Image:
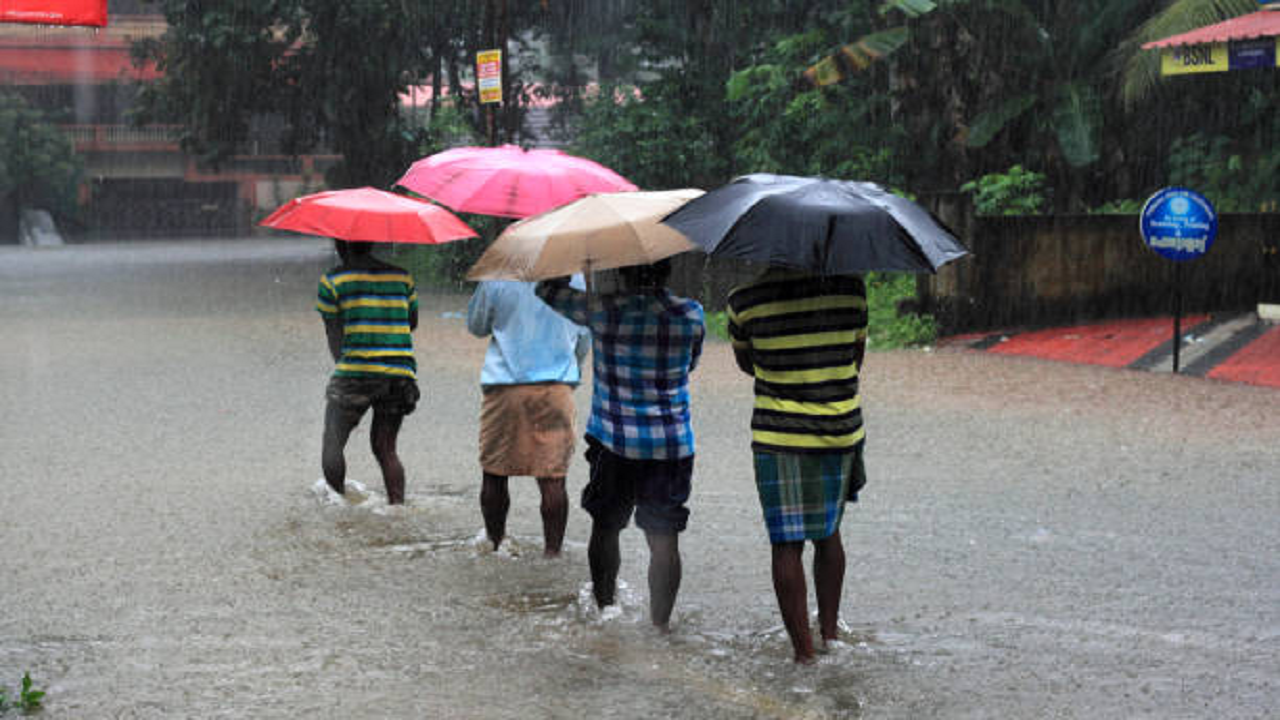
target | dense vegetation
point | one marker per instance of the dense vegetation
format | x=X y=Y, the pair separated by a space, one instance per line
x=926 y=95
x=1045 y=106
x=38 y=164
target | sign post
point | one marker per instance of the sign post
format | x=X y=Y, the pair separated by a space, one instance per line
x=489 y=75
x=1180 y=225
x=489 y=86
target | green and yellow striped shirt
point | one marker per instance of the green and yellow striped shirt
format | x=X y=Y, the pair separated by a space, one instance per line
x=804 y=335
x=374 y=305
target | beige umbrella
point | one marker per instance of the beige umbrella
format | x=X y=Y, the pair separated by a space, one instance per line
x=596 y=232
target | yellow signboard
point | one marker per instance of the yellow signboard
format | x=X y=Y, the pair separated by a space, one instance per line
x=489 y=75
x=1188 y=59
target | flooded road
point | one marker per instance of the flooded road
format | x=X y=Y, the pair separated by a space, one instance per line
x=1037 y=539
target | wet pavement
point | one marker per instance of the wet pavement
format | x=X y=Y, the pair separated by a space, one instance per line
x=1038 y=539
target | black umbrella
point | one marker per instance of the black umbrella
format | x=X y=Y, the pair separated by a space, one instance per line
x=828 y=227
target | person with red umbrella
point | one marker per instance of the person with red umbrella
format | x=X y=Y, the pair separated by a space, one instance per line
x=370 y=309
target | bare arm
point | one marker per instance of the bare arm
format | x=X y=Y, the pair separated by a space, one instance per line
x=480 y=313
x=564 y=299
x=741 y=345
x=333 y=332
x=860 y=351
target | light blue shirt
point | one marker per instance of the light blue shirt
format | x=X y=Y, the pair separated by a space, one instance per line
x=529 y=342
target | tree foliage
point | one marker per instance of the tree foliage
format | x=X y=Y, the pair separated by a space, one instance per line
x=325 y=73
x=38 y=164
x=922 y=94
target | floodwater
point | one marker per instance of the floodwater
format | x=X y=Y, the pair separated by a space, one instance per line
x=1037 y=539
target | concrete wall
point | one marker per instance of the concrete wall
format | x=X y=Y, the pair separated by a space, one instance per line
x=1040 y=271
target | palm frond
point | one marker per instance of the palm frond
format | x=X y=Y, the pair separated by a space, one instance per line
x=1141 y=68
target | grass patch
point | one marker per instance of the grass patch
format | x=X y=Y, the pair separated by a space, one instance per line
x=886 y=328
x=29 y=699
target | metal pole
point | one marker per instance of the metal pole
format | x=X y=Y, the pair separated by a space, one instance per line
x=491 y=37
x=1177 y=313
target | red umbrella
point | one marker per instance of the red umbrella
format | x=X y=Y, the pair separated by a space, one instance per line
x=369 y=214
x=509 y=181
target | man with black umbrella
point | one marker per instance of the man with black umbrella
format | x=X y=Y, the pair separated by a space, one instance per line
x=803 y=338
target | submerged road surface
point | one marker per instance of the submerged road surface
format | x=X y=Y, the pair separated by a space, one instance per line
x=1037 y=539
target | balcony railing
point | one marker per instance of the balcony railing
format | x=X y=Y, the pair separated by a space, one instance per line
x=123 y=137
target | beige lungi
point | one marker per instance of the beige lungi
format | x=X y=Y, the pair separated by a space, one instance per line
x=527 y=429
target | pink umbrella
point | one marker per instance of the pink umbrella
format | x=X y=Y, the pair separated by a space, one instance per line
x=369 y=214
x=509 y=181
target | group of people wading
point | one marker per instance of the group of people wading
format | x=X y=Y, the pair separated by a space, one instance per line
x=801 y=337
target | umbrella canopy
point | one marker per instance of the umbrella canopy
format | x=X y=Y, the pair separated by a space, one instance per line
x=597 y=232
x=830 y=227
x=369 y=214
x=508 y=181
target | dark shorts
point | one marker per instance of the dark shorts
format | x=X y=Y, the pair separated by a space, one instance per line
x=388 y=396
x=656 y=489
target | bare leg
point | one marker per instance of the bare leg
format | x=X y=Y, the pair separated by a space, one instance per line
x=604 y=557
x=828 y=581
x=495 y=501
x=555 y=514
x=664 y=577
x=382 y=437
x=337 y=430
x=789 y=586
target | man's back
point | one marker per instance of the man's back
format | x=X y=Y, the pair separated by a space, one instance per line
x=377 y=306
x=805 y=337
x=530 y=342
x=644 y=346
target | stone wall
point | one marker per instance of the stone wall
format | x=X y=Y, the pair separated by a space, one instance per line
x=1041 y=271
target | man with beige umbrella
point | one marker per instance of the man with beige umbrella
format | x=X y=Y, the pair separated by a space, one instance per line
x=645 y=342
x=527 y=418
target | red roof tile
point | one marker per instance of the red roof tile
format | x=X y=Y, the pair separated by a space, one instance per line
x=1260 y=24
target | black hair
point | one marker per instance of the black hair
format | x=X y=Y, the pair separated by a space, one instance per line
x=347 y=249
x=646 y=277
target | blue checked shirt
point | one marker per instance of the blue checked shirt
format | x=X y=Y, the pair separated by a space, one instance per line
x=643 y=348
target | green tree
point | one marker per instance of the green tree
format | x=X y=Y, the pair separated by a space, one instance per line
x=672 y=59
x=838 y=130
x=1217 y=133
x=329 y=73
x=1016 y=192
x=38 y=164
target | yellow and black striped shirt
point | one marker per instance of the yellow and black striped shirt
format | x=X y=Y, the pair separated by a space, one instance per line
x=804 y=335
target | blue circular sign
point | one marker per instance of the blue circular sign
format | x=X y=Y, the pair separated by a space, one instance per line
x=1179 y=224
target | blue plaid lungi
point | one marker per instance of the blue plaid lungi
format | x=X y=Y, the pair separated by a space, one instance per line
x=802 y=495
